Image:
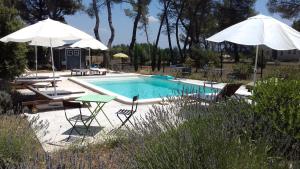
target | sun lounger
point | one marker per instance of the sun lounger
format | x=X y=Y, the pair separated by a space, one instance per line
x=80 y=71
x=46 y=97
x=36 y=77
x=99 y=71
x=226 y=92
x=25 y=81
x=60 y=94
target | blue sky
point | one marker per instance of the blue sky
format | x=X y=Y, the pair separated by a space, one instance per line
x=123 y=24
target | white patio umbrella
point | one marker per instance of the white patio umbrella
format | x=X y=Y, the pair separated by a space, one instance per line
x=260 y=30
x=44 y=44
x=46 y=31
x=89 y=43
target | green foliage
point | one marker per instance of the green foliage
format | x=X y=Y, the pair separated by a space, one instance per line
x=233 y=11
x=286 y=72
x=287 y=8
x=279 y=101
x=34 y=11
x=242 y=70
x=5 y=102
x=296 y=25
x=17 y=141
x=199 y=56
x=142 y=52
x=119 y=49
x=213 y=137
x=12 y=58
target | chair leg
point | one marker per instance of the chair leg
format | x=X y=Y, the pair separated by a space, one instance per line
x=130 y=122
x=97 y=122
x=73 y=128
x=87 y=130
x=107 y=118
x=124 y=122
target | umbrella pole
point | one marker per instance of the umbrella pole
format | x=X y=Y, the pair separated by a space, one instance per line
x=255 y=67
x=80 y=60
x=35 y=48
x=52 y=60
x=90 y=57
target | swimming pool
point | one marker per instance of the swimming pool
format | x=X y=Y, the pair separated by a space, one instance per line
x=148 y=88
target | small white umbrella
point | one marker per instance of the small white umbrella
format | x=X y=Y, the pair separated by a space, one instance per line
x=47 y=30
x=44 y=44
x=89 y=43
x=260 y=30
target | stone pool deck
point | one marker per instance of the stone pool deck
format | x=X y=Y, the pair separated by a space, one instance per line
x=52 y=129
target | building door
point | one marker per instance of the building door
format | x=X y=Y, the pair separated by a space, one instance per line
x=73 y=58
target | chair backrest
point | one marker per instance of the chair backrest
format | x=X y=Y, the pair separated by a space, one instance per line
x=70 y=105
x=228 y=90
x=134 y=103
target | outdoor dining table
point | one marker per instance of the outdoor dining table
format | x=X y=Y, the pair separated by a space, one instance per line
x=100 y=101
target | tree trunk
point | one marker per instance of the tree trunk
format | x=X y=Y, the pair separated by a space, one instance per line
x=111 y=27
x=169 y=33
x=135 y=24
x=96 y=12
x=147 y=38
x=153 y=63
x=236 y=53
x=156 y=43
x=177 y=31
x=112 y=31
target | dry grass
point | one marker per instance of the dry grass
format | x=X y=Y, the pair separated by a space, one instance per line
x=228 y=67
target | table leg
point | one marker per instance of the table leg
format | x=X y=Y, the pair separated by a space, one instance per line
x=94 y=113
x=100 y=109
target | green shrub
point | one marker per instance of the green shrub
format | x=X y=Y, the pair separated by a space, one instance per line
x=5 y=102
x=277 y=103
x=286 y=72
x=242 y=70
x=12 y=58
x=218 y=136
x=17 y=141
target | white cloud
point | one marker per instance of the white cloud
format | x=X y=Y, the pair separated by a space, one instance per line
x=152 y=19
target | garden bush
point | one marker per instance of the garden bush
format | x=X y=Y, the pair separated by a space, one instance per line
x=242 y=70
x=277 y=102
x=217 y=136
x=10 y=102
x=286 y=72
x=5 y=102
x=17 y=141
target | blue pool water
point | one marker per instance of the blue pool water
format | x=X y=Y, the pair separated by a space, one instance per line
x=147 y=87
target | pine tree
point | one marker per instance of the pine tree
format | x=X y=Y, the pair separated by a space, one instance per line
x=12 y=55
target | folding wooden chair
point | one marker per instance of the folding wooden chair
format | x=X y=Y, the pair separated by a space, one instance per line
x=127 y=113
x=86 y=120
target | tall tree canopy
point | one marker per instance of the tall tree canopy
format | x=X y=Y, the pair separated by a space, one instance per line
x=230 y=12
x=35 y=10
x=287 y=8
x=12 y=55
